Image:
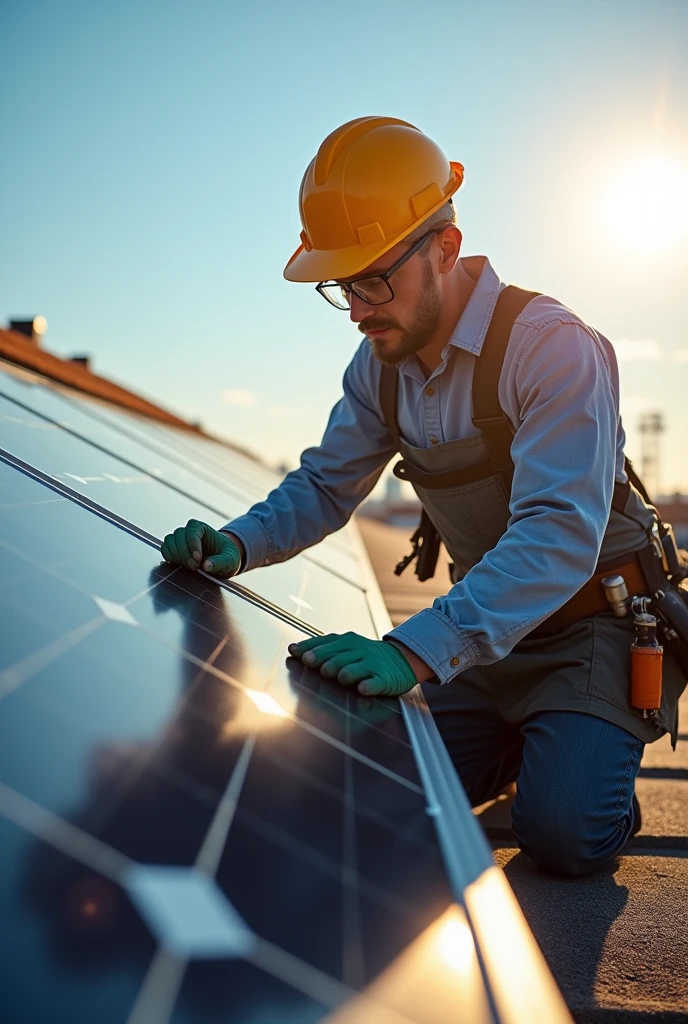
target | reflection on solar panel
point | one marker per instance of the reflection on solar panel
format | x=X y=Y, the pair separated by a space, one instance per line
x=193 y=826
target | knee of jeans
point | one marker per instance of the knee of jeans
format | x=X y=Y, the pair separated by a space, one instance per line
x=554 y=838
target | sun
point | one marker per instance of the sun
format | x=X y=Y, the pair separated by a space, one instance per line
x=645 y=205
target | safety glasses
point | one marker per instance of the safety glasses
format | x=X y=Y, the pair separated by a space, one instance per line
x=373 y=289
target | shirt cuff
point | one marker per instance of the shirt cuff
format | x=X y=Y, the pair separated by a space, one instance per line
x=438 y=641
x=252 y=535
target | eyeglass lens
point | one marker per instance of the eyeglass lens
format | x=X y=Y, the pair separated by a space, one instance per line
x=374 y=291
x=335 y=294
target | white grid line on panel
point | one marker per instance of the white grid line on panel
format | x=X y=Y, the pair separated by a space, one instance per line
x=299 y=974
x=52 y=570
x=158 y=993
x=15 y=675
x=32 y=504
x=353 y=971
x=212 y=848
x=62 y=835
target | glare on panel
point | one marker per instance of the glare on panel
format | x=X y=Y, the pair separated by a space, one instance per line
x=523 y=988
x=267 y=704
x=436 y=979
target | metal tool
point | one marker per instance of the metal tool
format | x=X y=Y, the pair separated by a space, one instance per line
x=616 y=592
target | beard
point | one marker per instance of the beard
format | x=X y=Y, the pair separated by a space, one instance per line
x=416 y=334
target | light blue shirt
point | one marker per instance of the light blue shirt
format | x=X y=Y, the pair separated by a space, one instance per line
x=559 y=388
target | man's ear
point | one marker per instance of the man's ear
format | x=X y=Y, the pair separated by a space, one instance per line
x=450 y=249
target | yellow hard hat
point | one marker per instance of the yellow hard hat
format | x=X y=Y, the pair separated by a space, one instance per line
x=372 y=182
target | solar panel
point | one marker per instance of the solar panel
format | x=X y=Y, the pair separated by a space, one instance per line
x=194 y=827
x=218 y=468
x=146 y=499
x=169 y=454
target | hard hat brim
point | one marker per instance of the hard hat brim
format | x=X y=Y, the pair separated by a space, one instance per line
x=334 y=264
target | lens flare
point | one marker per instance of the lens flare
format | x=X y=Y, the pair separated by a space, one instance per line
x=645 y=206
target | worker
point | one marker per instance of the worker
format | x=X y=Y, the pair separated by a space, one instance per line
x=526 y=674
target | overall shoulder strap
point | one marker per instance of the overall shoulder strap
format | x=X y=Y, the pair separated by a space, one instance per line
x=389 y=381
x=622 y=491
x=636 y=481
x=426 y=540
x=488 y=416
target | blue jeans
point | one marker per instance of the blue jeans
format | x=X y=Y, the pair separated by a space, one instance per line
x=576 y=773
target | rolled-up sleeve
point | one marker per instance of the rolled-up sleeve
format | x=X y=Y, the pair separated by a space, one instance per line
x=564 y=452
x=332 y=480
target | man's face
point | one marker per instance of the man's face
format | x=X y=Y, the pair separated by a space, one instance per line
x=405 y=325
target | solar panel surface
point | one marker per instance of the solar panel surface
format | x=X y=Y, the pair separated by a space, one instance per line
x=145 y=498
x=195 y=827
x=206 y=461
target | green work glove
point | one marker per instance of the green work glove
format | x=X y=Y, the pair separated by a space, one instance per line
x=377 y=666
x=198 y=545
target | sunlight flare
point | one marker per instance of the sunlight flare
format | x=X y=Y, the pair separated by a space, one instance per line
x=645 y=205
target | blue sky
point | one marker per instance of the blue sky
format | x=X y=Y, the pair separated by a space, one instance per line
x=152 y=154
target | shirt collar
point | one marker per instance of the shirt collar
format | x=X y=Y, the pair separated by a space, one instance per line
x=473 y=323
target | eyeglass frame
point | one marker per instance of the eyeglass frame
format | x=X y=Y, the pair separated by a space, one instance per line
x=383 y=276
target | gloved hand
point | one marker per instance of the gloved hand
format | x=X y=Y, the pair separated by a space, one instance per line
x=198 y=545
x=377 y=666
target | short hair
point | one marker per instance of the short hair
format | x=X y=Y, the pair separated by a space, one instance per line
x=441 y=218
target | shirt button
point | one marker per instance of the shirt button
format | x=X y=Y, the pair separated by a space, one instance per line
x=456 y=661
x=429 y=391
x=433 y=440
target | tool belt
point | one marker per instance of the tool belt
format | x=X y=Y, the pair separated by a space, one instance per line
x=657 y=571
x=591 y=598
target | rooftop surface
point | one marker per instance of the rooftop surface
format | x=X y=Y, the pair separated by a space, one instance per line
x=616 y=941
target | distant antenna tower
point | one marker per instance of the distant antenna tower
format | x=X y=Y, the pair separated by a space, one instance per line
x=651 y=427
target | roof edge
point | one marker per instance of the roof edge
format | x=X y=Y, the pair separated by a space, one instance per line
x=18 y=349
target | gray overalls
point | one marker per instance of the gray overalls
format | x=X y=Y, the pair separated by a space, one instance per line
x=464 y=487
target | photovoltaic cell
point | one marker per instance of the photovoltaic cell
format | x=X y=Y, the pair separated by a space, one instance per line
x=151 y=717
x=170 y=454
x=225 y=467
x=228 y=499
x=192 y=452
x=299 y=585
x=166 y=455
x=223 y=457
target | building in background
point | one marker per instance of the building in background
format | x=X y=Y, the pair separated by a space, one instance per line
x=398 y=507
